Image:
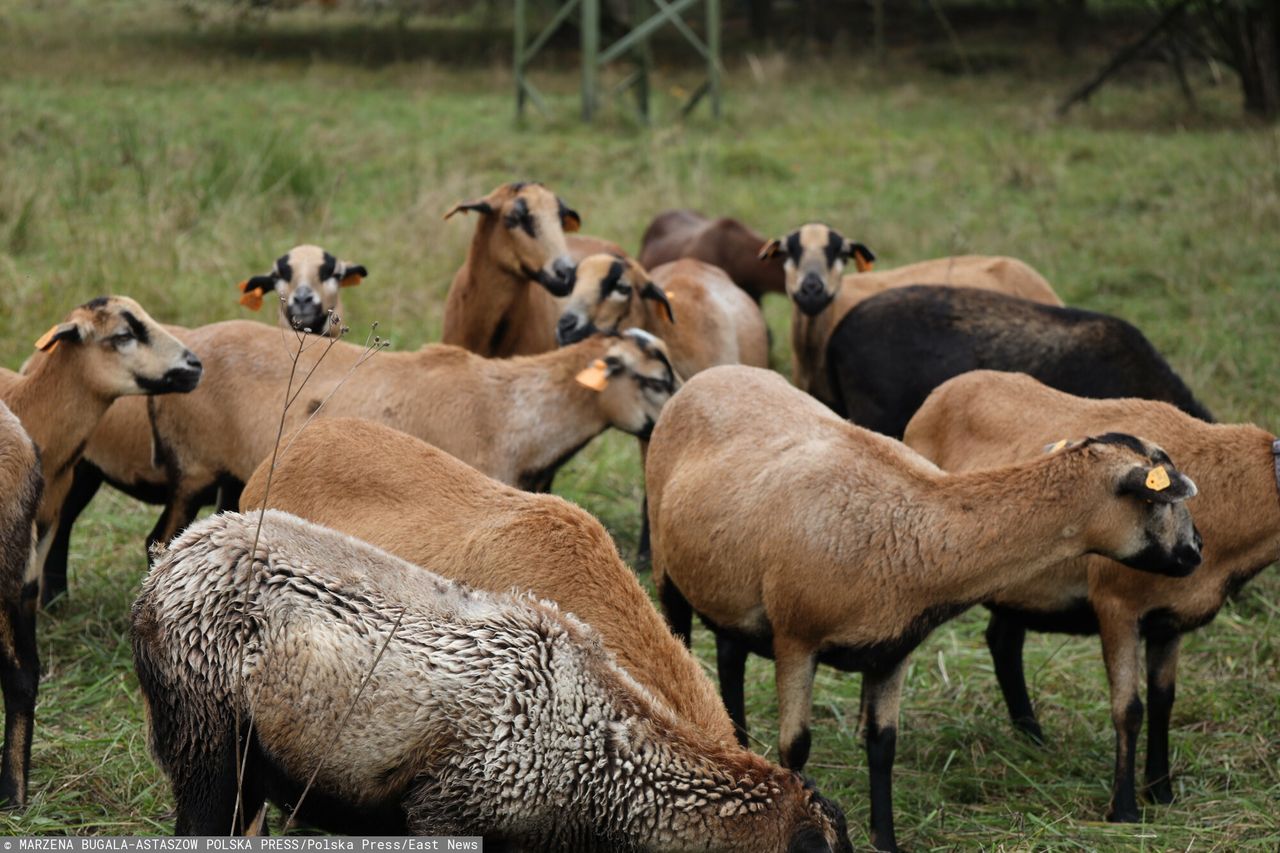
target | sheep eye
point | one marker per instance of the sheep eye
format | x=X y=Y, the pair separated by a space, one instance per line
x=121 y=338
x=622 y=289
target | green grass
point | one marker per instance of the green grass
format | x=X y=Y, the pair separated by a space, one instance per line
x=141 y=155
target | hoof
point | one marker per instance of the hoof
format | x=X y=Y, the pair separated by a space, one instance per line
x=1122 y=816
x=1030 y=727
x=1160 y=793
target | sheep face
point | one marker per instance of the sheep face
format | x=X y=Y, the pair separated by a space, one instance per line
x=814 y=257
x=121 y=350
x=306 y=280
x=605 y=290
x=633 y=381
x=527 y=223
x=1145 y=524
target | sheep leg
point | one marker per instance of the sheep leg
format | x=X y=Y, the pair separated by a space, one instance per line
x=794 y=664
x=85 y=482
x=678 y=611
x=182 y=509
x=731 y=667
x=1162 y=673
x=19 y=680
x=205 y=793
x=1005 y=638
x=1120 y=652
x=881 y=700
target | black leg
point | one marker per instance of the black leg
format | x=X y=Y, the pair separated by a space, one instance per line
x=644 y=553
x=881 y=699
x=19 y=679
x=205 y=794
x=1162 y=669
x=731 y=666
x=1124 y=799
x=678 y=611
x=86 y=481
x=1005 y=637
x=229 y=492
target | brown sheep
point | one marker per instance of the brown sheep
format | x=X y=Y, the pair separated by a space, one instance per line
x=979 y=420
x=425 y=506
x=503 y=300
x=20 y=485
x=517 y=420
x=724 y=242
x=697 y=311
x=800 y=536
x=486 y=714
x=306 y=282
x=814 y=260
x=105 y=349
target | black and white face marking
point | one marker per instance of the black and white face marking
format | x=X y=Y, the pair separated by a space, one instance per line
x=814 y=257
x=603 y=286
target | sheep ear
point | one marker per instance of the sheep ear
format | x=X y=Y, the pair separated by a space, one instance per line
x=1158 y=484
x=595 y=376
x=570 y=221
x=352 y=275
x=770 y=250
x=652 y=291
x=1059 y=445
x=69 y=332
x=481 y=206
x=863 y=258
x=252 y=289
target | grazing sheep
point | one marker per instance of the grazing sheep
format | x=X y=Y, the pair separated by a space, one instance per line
x=694 y=307
x=307 y=281
x=503 y=300
x=890 y=351
x=723 y=242
x=20 y=486
x=800 y=536
x=105 y=349
x=423 y=505
x=485 y=713
x=980 y=420
x=517 y=420
x=815 y=257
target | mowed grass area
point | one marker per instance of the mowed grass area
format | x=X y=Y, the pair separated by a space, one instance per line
x=139 y=155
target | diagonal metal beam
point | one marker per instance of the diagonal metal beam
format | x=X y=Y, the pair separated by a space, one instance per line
x=644 y=30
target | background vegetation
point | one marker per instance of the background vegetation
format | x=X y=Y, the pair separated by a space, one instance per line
x=149 y=151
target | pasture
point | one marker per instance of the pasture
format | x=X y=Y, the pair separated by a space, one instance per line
x=145 y=155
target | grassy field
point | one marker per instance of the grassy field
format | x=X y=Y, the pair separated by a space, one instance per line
x=145 y=155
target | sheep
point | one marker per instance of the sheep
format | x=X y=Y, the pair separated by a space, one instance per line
x=979 y=420
x=517 y=420
x=800 y=536
x=890 y=351
x=502 y=302
x=815 y=256
x=105 y=349
x=119 y=451
x=724 y=242
x=717 y=322
x=307 y=281
x=434 y=510
x=485 y=713
x=21 y=483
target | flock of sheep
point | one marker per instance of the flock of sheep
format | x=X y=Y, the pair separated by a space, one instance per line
x=403 y=632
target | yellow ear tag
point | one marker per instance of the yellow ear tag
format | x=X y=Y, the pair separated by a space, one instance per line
x=1158 y=479
x=595 y=377
x=1058 y=445
x=252 y=299
x=44 y=344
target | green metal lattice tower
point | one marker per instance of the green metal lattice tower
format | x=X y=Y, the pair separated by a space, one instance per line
x=634 y=43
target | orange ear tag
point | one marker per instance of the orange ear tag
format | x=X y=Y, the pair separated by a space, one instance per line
x=1158 y=479
x=861 y=264
x=46 y=343
x=252 y=299
x=351 y=280
x=595 y=377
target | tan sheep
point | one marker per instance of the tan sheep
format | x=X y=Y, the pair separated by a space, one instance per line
x=20 y=485
x=798 y=535
x=979 y=420
x=503 y=301
x=425 y=506
x=814 y=260
x=306 y=282
x=487 y=714
x=700 y=314
x=516 y=420
x=105 y=349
